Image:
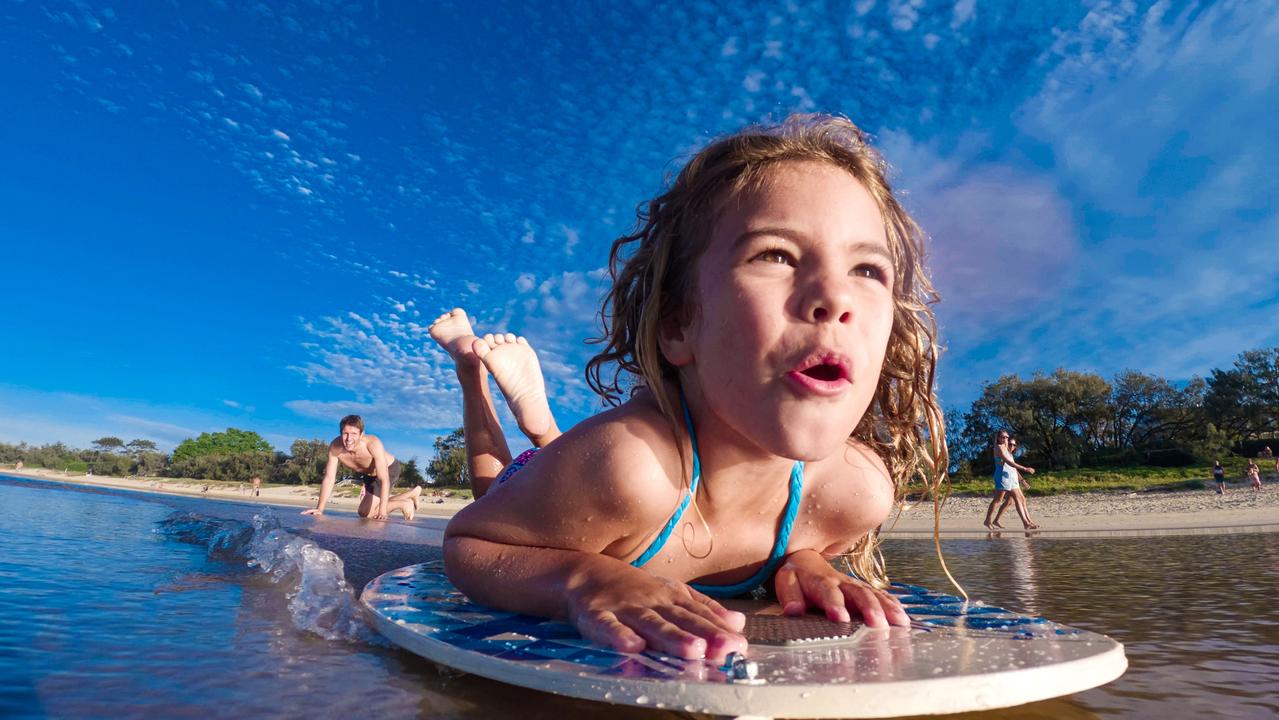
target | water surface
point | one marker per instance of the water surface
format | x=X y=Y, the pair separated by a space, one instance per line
x=135 y=605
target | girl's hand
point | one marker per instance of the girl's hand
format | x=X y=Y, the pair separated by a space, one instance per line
x=807 y=580
x=631 y=610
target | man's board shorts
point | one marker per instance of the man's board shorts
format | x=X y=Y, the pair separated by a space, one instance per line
x=371 y=482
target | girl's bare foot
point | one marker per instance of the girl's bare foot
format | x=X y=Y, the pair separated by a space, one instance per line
x=514 y=366
x=1031 y=526
x=452 y=331
x=995 y=524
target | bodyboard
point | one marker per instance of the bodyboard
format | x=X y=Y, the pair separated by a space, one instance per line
x=957 y=656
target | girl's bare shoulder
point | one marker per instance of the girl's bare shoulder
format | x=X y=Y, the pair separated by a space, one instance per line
x=848 y=494
x=620 y=468
x=628 y=451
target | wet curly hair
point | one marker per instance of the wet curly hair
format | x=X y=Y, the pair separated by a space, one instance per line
x=653 y=271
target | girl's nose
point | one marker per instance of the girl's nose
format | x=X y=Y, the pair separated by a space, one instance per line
x=829 y=301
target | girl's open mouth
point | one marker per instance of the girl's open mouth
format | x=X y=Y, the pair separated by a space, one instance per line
x=825 y=374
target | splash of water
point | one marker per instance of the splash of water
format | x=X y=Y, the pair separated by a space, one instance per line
x=320 y=600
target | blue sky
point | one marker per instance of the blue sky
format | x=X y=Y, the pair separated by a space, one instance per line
x=245 y=214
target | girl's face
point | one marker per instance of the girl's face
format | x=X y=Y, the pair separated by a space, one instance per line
x=792 y=312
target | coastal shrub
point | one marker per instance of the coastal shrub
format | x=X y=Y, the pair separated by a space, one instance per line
x=232 y=442
x=235 y=466
x=1170 y=457
x=304 y=465
x=107 y=463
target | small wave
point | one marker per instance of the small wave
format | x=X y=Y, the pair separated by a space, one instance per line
x=320 y=600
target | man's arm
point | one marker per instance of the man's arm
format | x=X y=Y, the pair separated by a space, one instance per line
x=326 y=485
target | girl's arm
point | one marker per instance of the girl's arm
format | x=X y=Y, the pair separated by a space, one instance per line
x=547 y=542
x=807 y=579
x=609 y=601
x=1008 y=460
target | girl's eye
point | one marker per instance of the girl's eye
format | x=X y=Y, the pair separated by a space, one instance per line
x=871 y=271
x=774 y=256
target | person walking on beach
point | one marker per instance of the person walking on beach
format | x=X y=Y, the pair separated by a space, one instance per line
x=1254 y=475
x=1006 y=469
x=1219 y=476
x=257 y=486
x=1016 y=496
x=374 y=466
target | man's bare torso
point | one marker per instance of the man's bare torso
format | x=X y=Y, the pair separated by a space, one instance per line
x=361 y=458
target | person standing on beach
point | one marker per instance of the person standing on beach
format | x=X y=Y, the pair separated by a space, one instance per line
x=257 y=486
x=374 y=466
x=1254 y=475
x=1219 y=476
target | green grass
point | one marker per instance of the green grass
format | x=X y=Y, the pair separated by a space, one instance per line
x=1123 y=479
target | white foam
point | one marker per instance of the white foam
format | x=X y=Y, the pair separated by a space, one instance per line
x=320 y=599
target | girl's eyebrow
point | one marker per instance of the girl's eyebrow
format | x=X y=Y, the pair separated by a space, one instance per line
x=864 y=246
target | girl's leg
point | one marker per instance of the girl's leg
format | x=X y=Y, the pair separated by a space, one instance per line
x=999 y=495
x=519 y=376
x=1020 y=501
x=486 y=449
x=1000 y=513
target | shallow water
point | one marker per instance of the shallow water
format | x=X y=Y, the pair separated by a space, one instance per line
x=106 y=609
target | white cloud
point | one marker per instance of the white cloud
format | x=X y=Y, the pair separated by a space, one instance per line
x=280 y=135
x=962 y=12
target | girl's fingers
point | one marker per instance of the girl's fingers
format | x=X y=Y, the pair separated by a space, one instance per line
x=661 y=634
x=868 y=602
x=604 y=628
x=730 y=620
x=719 y=641
x=790 y=595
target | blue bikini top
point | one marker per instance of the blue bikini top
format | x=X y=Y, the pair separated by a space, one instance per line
x=783 y=532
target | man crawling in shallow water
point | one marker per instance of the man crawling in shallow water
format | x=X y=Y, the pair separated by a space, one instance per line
x=374 y=466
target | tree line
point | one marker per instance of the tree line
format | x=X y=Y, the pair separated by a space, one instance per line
x=1064 y=419
x=1070 y=419
x=231 y=455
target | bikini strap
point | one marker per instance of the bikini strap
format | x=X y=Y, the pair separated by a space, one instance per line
x=660 y=541
x=779 y=545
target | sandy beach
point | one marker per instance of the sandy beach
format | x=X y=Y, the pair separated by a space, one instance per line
x=1188 y=512
x=285 y=495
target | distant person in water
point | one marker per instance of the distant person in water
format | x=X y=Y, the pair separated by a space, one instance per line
x=1219 y=476
x=1006 y=482
x=374 y=466
x=1254 y=475
x=257 y=486
x=518 y=374
x=1016 y=496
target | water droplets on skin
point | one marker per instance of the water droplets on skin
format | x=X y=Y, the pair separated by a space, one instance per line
x=642 y=700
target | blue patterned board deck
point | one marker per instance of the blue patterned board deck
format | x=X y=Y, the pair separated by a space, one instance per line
x=955 y=657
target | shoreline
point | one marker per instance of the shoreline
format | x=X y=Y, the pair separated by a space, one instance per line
x=1121 y=514
x=298 y=496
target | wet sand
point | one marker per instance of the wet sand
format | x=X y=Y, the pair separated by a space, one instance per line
x=283 y=495
x=1187 y=512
